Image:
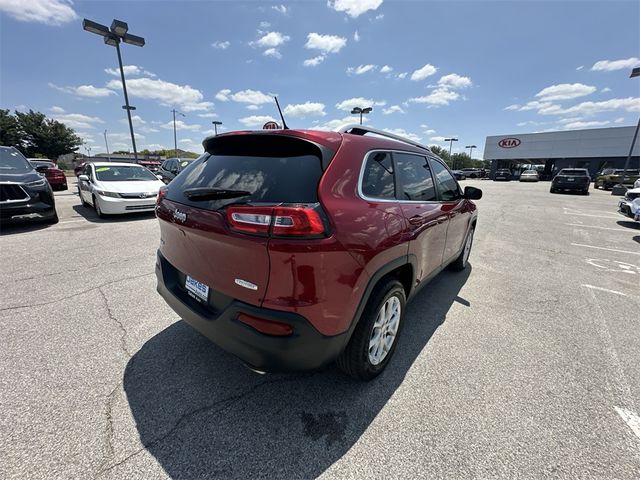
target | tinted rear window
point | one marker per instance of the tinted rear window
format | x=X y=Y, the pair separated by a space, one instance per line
x=273 y=169
x=573 y=172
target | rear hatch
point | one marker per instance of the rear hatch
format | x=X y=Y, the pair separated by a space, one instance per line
x=572 y=177
x=217 y=216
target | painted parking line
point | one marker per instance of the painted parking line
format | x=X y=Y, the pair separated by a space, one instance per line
x=605 y=248
x=593 y=287
x=610 y=217
x=631 y=419
x=626 y=230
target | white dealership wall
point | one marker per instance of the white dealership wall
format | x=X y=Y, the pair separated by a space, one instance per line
x=590 y=143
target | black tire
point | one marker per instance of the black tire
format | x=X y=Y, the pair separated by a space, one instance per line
x=607 y=186
x=461 y=262
x=552 y=190
x=354 y=360
x=96 y=206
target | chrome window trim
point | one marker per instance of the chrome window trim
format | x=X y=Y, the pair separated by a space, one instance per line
x=387 y=200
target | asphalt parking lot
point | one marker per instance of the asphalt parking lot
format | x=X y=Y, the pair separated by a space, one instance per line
x=523 y=366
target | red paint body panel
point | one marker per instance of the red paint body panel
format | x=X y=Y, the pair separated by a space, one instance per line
x=55 y=176
x=204 y=248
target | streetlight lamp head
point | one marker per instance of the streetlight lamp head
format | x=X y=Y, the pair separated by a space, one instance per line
x=367 y=110
x=217 y=122
x=95 y=27
x=356 y=110
x=119 y=27
x=635 y=72
x=111 y=40
x=134 y=40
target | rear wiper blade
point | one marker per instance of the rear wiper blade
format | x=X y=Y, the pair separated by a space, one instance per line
x=208 y=193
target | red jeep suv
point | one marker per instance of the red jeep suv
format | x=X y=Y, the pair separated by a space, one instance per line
x=295 y=248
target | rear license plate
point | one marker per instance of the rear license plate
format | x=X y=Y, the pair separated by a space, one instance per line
x=196 y=289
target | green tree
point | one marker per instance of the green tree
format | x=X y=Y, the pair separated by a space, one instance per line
x=10 y=132
x=46 y=136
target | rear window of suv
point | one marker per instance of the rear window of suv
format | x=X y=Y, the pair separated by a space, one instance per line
x=273 y=169
x=573 y=172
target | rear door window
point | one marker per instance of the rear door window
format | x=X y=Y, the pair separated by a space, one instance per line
x=378 y=177
x=273 y=169
x=447 y=186
x=415 y=182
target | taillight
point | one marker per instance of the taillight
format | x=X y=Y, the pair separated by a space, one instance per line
x=250 y=219
x=293 y=221
x=267 y=327
x=161 y=194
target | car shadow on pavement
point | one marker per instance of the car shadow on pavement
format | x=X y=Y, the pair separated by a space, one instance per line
x=89 y=214
x=202 y=414
x=629 y=224
x=23 y=227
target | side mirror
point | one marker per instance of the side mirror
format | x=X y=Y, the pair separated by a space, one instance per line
x=472 y=193
x=83 y=178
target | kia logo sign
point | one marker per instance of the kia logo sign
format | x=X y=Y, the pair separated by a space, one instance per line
x=509 y=142
x=271 y=126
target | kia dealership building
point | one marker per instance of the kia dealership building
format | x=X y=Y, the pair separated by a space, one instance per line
x=594 y=149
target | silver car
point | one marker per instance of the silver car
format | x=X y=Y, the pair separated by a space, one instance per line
x=529 y=176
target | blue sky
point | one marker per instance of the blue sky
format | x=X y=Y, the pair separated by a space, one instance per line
x=429 y=69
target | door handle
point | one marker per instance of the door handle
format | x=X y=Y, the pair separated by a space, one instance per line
x=416 y=220
x=441 y=219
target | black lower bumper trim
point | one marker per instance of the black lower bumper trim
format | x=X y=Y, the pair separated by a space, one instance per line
x=305 y=349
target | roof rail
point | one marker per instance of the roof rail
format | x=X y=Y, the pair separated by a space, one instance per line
x=357 y=129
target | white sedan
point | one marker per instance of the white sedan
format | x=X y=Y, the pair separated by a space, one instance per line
x=115 y=188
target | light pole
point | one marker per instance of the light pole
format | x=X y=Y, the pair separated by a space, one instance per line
x=106 y=144
x=470 y=147
x=115 y=35
x=361 y=111
x=215 y=125
x=88 y=149
x=620 y=189
x=451 y=140
x=175 y=138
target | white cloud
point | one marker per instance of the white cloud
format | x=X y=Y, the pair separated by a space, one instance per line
x=185 y=140
x=166 y=93
x=437 y=139
x=272 y=39
x=254 y=107
x=354 y=8
x=256 y=120
x=439 y=96
x=180 y=125
x=325 y=43
x=56 y=109
x=49 y=12
x=629 y=104
x=379 y=17
x=577 y=125
x=135 y=119
x=280 y=9
x=393 y=109
x=148 y=130
x=619 y=120
x=88 y=91
x=254 y=97
x=611 y=65
x=221 y=45
x=429 y=131
x=605 y=90
x=453 y=80
x=307 y=109
x=423 y=72
x=565 y=91
x=361 y=69
x=533 y=105
x=338 y=122
x=580 y=67
x=350 y=103
x=356 y=36
x=77 y=120
x=386 y=69
x=208 y=115
x=265 y=24
x=272 y=52
x=223 y=95
x=313 y=62
x=129 y=70
x=402 y=75
x=404 y=133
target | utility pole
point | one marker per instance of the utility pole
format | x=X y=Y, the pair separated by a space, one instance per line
x=175 y=138
x=106 y=144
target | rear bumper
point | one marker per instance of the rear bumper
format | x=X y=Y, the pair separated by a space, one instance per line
x=58 y=183
x=305 y=349
x=569 y=186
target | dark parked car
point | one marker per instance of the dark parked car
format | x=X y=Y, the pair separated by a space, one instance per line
x=53 y=174
x=459 y=174
x=294 y=248
x=472 y=172
x=571 y=179
x=153 y=165
x=24 y=193
x=172 y=167
x=502 y=174
x=78 y=168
